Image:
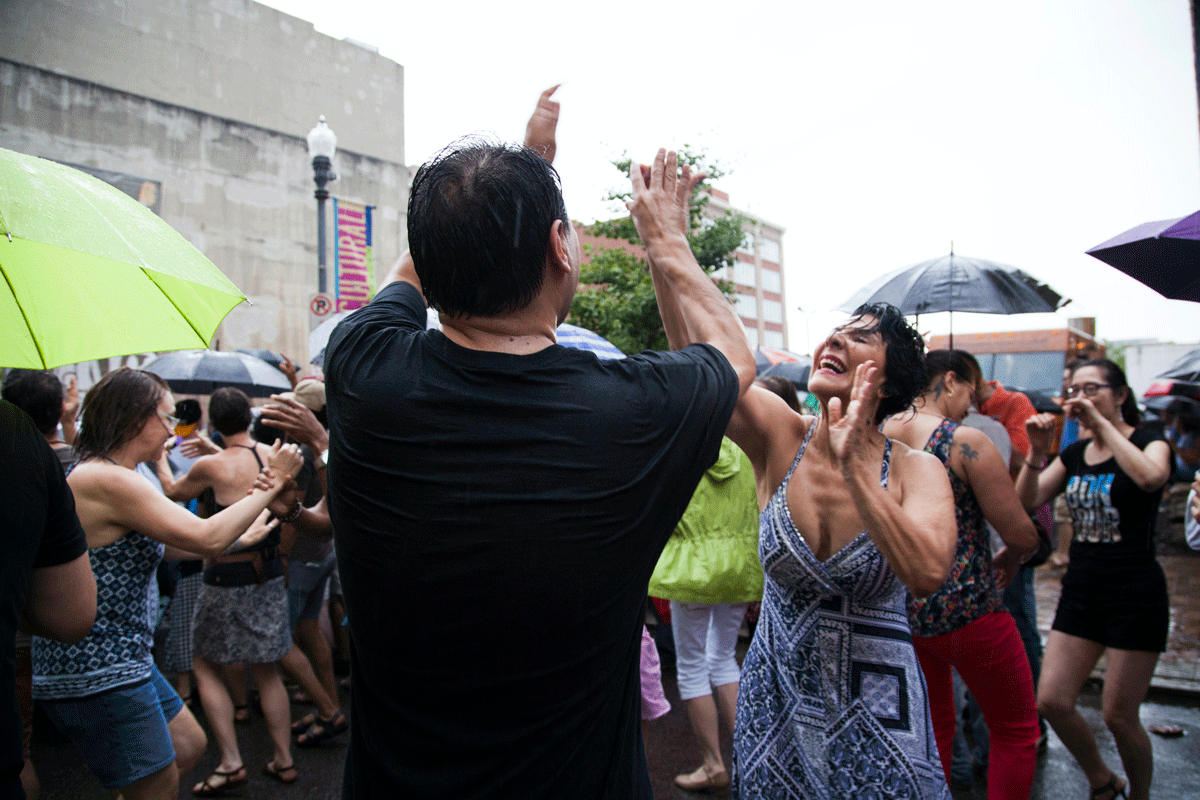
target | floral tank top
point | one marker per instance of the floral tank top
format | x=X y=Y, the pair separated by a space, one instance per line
x=970 y=592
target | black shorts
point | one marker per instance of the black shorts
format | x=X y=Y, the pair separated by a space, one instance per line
x=1126 y=613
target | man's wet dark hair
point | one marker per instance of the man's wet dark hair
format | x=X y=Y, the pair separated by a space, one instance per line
x=229 y=411
x=479 y=219
x=39 y=393
x=904 y=368
x=1114 y=376
x=115 y=409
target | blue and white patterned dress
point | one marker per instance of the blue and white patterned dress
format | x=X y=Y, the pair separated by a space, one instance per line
x=832 y=701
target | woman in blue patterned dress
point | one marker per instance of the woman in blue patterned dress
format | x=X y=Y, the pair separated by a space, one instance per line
x=964 y=625
x=105 y=692
x=832 y=700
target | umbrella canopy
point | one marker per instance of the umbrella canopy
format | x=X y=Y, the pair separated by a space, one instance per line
x=1163 y=255
x=583 y=339
x=205 y=371
x=795 y=371
x=88 y=272
x=958 y=283
x=767 y=357
x=269 y=356
x=1186 y=368
x=1042 y=403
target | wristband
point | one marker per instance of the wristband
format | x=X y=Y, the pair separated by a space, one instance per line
x=294 y=514
x=1037 y=469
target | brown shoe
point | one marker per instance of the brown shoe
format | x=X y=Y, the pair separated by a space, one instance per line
x=702 y=780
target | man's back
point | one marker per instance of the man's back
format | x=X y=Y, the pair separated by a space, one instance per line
x=497 y=519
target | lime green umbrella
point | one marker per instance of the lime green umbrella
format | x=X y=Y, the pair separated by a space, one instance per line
x=88 y=272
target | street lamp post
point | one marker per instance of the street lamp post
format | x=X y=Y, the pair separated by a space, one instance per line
x=322 y=144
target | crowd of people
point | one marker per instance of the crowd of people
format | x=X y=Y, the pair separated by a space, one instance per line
x=529 y=497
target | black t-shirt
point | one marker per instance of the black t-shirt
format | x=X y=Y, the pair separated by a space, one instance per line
x=40 y=529
x=497 y=518
x=1112 y=517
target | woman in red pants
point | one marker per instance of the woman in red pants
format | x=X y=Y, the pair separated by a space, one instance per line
x=964 y=624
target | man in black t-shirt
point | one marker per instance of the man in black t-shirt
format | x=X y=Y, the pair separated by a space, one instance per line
x=45 y=574
x=499 y=501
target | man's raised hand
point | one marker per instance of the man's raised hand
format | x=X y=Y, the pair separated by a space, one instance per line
x=540 y=132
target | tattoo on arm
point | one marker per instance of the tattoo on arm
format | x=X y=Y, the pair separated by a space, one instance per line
x=937 y=390
x=968 y=453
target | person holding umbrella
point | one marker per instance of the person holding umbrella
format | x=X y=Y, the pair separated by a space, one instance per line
x=105 y=692
x=1114 y=594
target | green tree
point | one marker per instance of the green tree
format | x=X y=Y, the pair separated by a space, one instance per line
x=617 y=297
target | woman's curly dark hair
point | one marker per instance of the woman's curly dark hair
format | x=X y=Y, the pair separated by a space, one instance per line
x=904 y=367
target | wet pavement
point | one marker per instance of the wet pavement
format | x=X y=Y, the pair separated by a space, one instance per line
x=1174 y=700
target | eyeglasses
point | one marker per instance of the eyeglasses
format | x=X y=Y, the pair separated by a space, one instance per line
x=172 y=422
x=1089 y=389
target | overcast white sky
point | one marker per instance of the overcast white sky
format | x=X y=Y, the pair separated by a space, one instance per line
x=876 y=132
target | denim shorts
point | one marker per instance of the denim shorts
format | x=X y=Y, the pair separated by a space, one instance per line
x=122 y=734
x=306 y=588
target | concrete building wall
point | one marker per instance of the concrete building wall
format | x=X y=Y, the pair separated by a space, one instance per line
x=237 y=185
x=235 y=59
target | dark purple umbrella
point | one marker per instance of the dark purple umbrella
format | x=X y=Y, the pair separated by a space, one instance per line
x=1163 y=255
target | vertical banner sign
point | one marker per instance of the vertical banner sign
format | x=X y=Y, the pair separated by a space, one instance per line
x=353 y=283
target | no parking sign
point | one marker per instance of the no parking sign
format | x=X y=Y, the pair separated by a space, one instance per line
x=320 y=306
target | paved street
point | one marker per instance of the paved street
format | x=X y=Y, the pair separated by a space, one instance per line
x=1174 y=699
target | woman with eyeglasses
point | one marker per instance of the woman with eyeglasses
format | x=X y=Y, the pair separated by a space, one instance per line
x=105 y=692
x=1114 y=594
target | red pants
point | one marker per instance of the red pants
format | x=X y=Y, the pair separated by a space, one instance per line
x=990 y=657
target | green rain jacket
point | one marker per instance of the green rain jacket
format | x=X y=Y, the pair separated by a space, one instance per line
x=712 y=557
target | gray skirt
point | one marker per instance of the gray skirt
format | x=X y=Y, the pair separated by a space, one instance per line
x=237 y=624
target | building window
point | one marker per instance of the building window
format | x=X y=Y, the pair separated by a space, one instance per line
x=769 y=250
x=773 y=339
x=752 y=337
x=772 y=311
x=747 y=245
x=747 y=306
x=771 y=280
x=743 y=273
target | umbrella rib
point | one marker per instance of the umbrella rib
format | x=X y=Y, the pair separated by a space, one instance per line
x=150 y=274
x=24 y=316
x=145 y=267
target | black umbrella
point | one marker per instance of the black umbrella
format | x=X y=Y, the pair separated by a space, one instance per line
x=269 y=356
x=795 y=371
x=205 y=371
x=958 y=283
x=1042 y=403
x=1185 y=369
x=1163 y=255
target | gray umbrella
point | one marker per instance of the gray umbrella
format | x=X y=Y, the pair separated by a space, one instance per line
x=205 y=371
x=959 y=283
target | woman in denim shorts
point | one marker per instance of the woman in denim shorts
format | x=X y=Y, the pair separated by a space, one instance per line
x=104 y=692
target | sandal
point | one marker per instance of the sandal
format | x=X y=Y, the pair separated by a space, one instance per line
x=303 y=724
x=229 y=780
x=282 y=774
x=1169 y=731
x=1102 y=792
x=241 y=714
x=323 y=729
